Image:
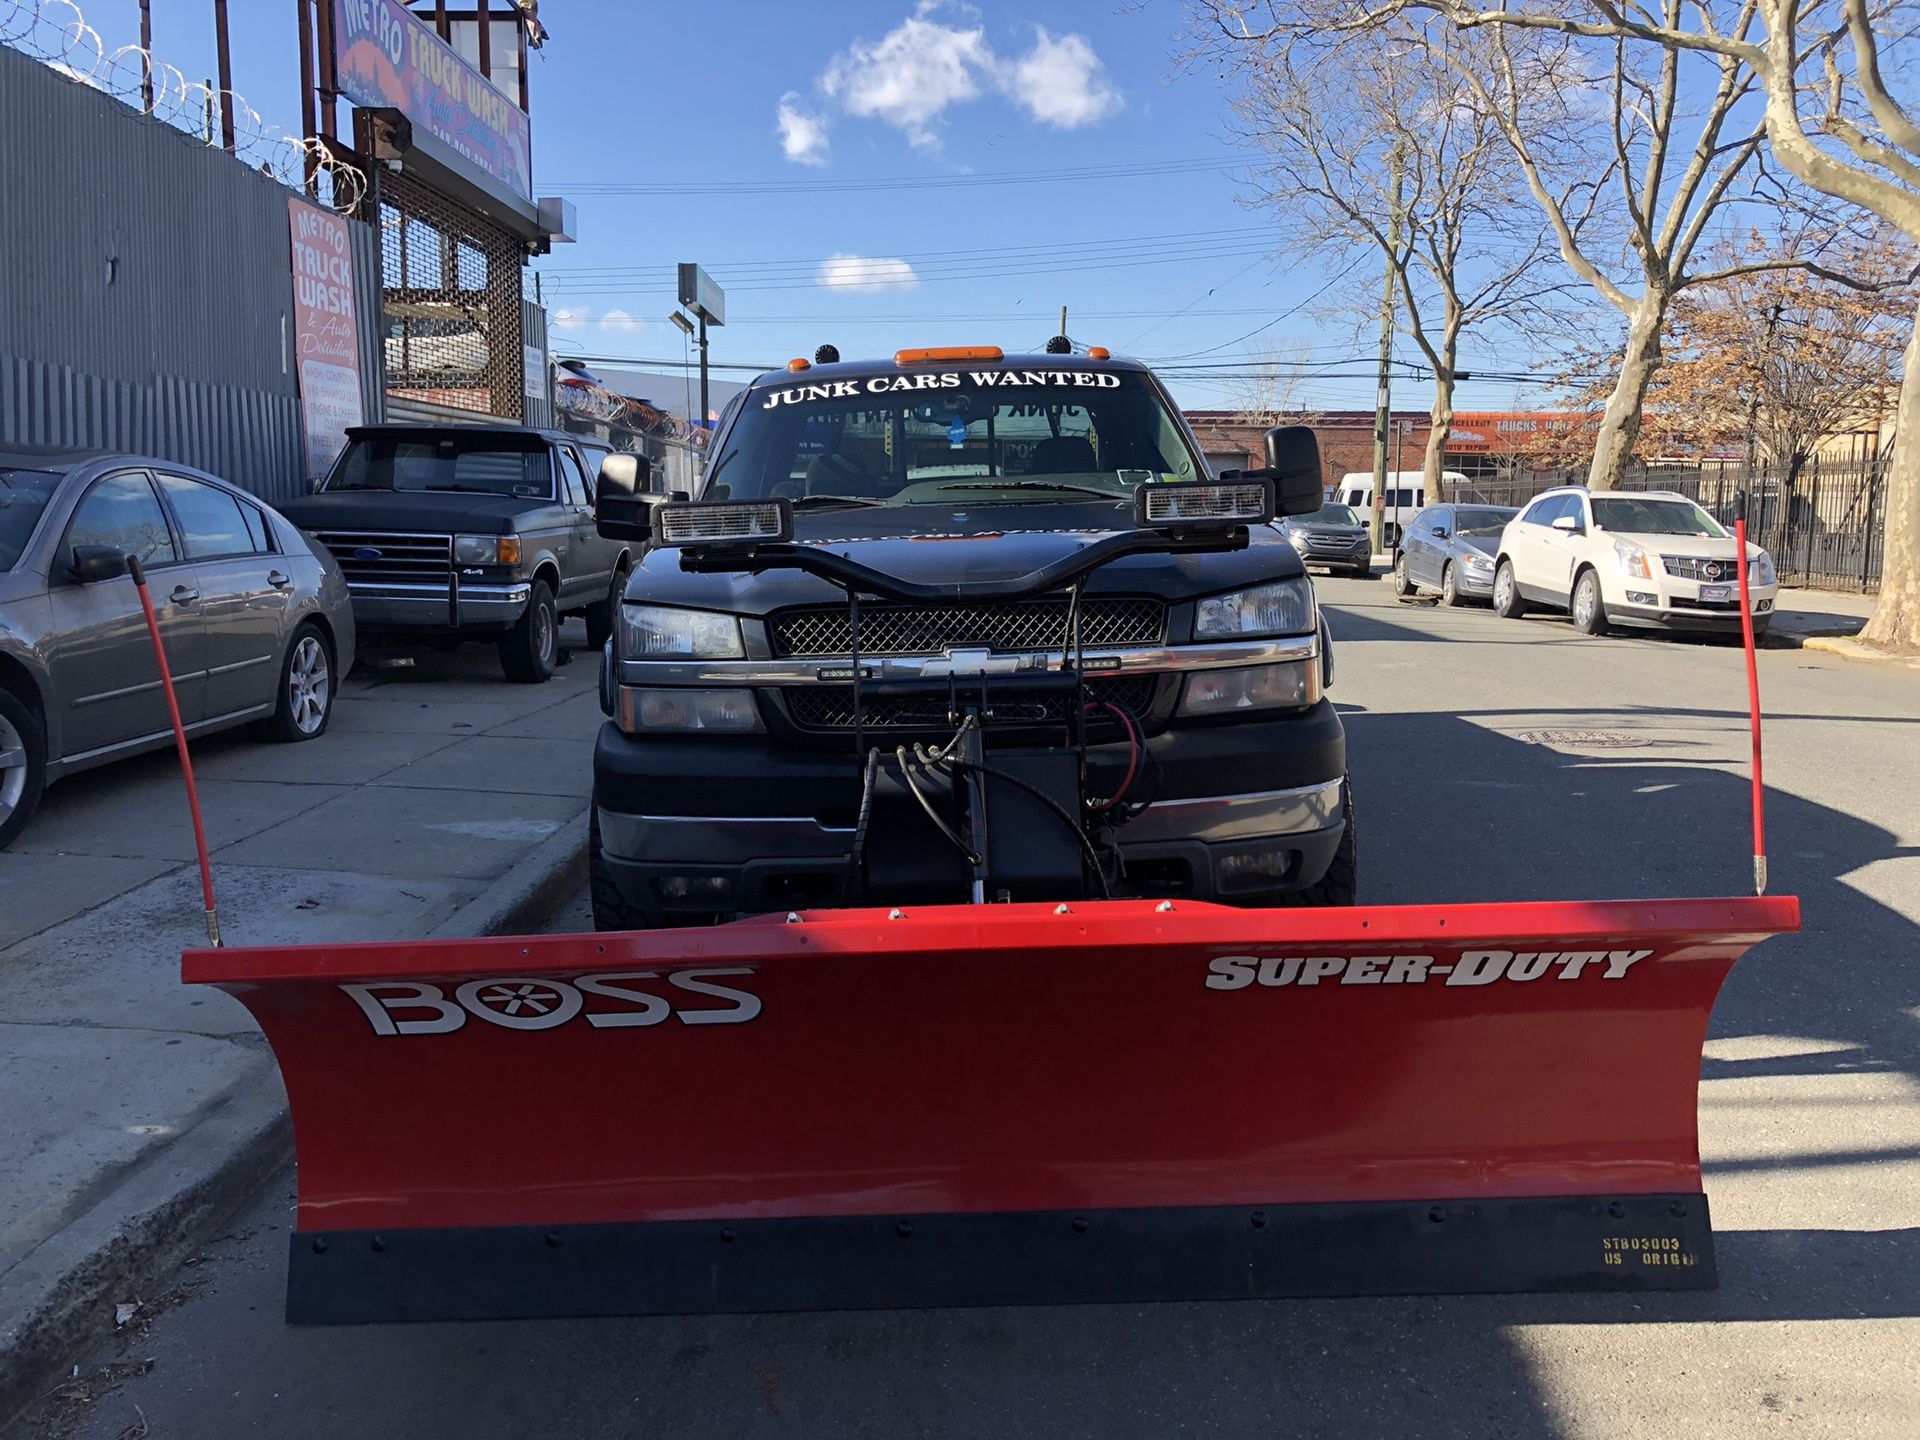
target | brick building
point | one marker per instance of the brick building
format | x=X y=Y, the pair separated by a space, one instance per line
x=1229 y=439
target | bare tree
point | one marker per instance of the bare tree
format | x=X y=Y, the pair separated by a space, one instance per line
x=1366 y=145
x=1273 y=390
x=1832 y=121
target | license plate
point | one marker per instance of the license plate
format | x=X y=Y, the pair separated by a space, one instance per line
x=1716 y=592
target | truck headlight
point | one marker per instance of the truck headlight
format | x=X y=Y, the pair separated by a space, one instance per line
x=1290 y=684
x=643 y=708
x=486 y=549
x=1283 y=608
x=656 y=632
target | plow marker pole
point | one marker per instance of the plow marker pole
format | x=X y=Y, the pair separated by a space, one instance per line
x=1753 y=710
x=1111 y=1101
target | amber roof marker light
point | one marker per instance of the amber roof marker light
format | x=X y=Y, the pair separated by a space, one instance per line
x=1099 y=352
x=797 y=364
x=944 y=354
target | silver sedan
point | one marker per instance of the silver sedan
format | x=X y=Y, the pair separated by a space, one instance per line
x=257 y=626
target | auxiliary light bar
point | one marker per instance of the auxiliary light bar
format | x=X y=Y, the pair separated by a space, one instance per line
x=722 y=522
x=1179 y=506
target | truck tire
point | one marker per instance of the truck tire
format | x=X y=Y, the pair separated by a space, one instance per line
x=20 y=784
x=611 y=909
x=1342 y=881
x=599 y=617
x=531 y=648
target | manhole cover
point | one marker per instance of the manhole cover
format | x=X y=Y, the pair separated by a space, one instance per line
x=1586 y=739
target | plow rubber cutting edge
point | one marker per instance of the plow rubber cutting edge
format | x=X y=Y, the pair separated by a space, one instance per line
x=999 y=1104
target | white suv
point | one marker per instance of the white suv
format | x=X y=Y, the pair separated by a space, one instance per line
x=1649 y=557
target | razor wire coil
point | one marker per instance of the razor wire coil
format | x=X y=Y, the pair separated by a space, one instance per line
x=57 y=33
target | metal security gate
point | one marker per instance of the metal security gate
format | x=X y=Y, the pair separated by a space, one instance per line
x=450 y=302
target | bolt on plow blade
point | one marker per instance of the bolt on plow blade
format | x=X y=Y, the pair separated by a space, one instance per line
x=1000 y=1104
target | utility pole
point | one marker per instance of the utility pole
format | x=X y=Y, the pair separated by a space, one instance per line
x=704 y=411
x=1383 y=400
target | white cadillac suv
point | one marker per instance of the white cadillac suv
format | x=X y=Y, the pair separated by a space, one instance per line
x=1628 y=558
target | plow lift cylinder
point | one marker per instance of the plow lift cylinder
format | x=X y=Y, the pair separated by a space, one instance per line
x=1102 y=1101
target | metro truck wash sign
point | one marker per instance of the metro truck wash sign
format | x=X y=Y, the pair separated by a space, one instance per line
x=387 y=58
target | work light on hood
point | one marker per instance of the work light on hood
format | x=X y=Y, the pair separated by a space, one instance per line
x=1176 y=506
x=722 y=523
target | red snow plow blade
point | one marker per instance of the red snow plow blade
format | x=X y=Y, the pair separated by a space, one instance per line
x=999 y=1104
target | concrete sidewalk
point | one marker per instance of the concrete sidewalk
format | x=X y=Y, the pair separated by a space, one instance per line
x=135 y=1113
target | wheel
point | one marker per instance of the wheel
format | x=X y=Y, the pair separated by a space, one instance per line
x=1363 y=572
x=599 y=617
x=1342 y=881
x=528 y=652
x=23 y=764
x=1450 y=586
x=1589 y=610
x=304 y=702
x=1403 y=585
x=611 y=908
x=1507 y=603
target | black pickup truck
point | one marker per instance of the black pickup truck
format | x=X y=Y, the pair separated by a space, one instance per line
x=965 y=626
x=459 y=532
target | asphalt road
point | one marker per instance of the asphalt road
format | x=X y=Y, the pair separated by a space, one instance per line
x=1811 y=1131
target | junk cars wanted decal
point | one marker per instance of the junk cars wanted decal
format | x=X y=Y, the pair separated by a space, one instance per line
x=937 y=380
x=1472 y=967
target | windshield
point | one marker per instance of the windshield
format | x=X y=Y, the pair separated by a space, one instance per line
x=23 y=495
x=1481 y=522
x=1329 y=514
x=481 y=464
x=940 y=437
x=1638 y=516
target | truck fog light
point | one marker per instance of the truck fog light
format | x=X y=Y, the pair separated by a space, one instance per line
x=1253 y=687
x=1252 y=867
x=647 y=709
x=694 y=887
x=1641 y=597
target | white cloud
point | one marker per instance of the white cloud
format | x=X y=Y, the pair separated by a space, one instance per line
x=1061 y=82
x=910 y=75
x=566 y=319
x=803 y=137
x=865 y=276
x=620 y=320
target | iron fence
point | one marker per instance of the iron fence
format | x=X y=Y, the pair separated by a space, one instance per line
x=1823 y=525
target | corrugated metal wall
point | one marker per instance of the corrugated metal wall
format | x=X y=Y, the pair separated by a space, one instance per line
x=146 y=289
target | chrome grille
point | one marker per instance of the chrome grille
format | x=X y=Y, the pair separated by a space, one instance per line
x=830 y=707
x=398 y=556
x=1106 y=623
x=1702 y=567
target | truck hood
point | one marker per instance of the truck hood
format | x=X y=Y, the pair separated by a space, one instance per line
x=961 y=546
x=438 y=512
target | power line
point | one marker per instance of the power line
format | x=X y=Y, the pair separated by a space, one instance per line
x=1071 y=174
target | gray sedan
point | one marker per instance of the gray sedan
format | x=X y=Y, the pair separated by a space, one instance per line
x=257 y=627
x=1450 y=548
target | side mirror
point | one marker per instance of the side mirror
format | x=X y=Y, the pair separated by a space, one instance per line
x=1439 y=532
x=1567 y=525
x=622 y=508
x=94 y=563
x=1293 y=464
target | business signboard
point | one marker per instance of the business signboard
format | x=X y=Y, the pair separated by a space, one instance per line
x=386 y=57
x=325 y=331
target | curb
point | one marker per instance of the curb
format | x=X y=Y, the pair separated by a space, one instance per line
x=1852 y=649
x=58 y=1302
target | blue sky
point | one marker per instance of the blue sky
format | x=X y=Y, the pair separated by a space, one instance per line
x=768 y=103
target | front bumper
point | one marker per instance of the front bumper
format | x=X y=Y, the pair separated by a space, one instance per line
x=388 y=606
x=1475 y=583
x=1358 y=555
x=1668 y=603
x=776 y=822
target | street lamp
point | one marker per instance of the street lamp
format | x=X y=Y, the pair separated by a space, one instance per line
x=708 y=302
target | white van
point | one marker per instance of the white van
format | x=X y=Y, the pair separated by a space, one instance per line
x=1406 y=496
